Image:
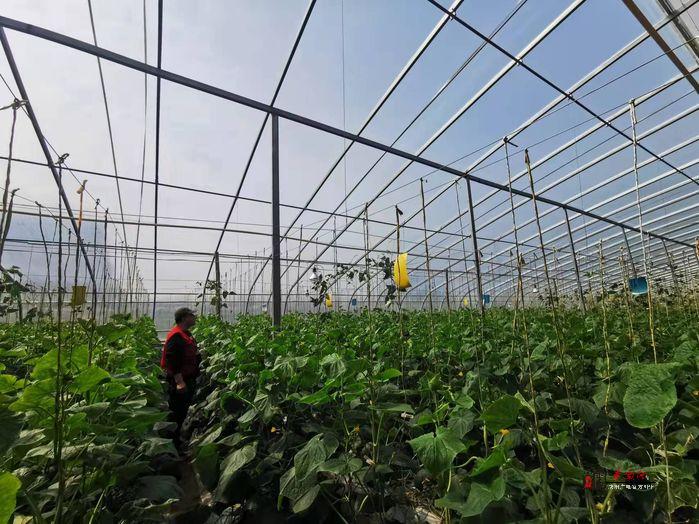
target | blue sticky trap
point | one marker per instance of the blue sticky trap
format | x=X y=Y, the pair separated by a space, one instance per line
x=638 y=285
x=486 y=299
x=354 y=302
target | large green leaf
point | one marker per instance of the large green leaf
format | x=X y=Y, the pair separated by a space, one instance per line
x=312 y=455
x=233 y=463
x=305 y=501
x=344 y=465
x=333 y=365
x=495 y=459
x=157 y=446
x=501 y=414
x=461 y=422
x=10 y=426
x=479 y=497
x=206 y=464
x=437 y=450
x=650 y=394
x=89 y=378
x=585 y=409
x=37 y=397
x=301 y=492
x=9 y=484
x=158 y=488
x=393 y=407
x=388 y=374
x=10 y=383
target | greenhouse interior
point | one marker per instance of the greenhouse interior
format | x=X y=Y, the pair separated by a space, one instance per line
x=460 y=283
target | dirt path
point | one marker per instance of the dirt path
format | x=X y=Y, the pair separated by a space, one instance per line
x=195 y=505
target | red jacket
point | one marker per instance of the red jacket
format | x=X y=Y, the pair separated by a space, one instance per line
x=190 y=358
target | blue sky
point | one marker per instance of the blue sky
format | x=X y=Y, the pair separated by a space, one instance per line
x=242 y=47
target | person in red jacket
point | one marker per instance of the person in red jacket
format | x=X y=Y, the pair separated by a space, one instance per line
x=181 y=360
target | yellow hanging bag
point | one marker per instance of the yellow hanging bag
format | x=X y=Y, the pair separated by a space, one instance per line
x=78 y=296
x=400 y=272
x=328 y=301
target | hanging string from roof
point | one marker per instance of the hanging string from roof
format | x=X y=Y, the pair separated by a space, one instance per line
x=7 y=213
x=344 y=101
x=640 y=285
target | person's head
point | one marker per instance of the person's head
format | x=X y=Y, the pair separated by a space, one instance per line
x=185 y=318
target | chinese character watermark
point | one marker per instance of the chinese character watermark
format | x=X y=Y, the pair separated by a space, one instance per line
x=631 y=480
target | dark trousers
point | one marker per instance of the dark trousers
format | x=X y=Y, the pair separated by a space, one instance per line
x=179 y=402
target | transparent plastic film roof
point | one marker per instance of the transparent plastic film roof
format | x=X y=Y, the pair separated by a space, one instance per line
x=265 y=153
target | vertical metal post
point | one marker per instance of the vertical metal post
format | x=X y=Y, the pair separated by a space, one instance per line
x=94 y=264
x=104 y=270
x=218 y=286
x=157 y=157
x=298 y=269
x=65 y=267
x=398 y=214
x=427 y=249
x=337 y=301
x=476 y=253
x=276 y=266
x=366 y=256
x=286 y=262
x=575 y=261
x=42 y=143
x=463 y=241
x=446 y=284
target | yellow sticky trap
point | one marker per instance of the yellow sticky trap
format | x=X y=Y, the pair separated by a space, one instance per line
x=400 y=272
x=78 y=296
x=328 y=301
x=466 y=301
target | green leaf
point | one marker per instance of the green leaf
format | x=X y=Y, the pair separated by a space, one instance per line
x=317 y=398
x=302 y=493
x=37 y=397
x=501 y=414
x=9 y=485
x=495 y=459
x=393 y=407
x=479 y=497
x=233 y=463
x=333 y=365
x=158 y=488
x=9 y=428
x=524 y=401
x=464 y=401
x=585 y=409
x=344 y=465
x=566 y=469
x=555 y=443
x=305 y=501
x=157 y=446
x=650 y=394
x=248 y=416
x=114 y=389
x=312 y=455
x=206 y=465
x=10 y=383
x=437 y=451
x=461 y=422
x=388 y=374
x=89 y=379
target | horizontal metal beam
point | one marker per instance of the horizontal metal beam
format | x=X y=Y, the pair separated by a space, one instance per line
x=125 y=61
x=638 y=14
